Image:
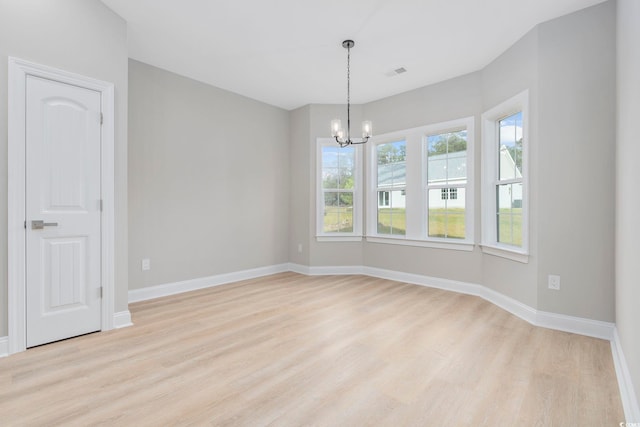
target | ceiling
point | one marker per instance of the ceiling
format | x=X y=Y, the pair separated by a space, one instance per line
x=289 y=53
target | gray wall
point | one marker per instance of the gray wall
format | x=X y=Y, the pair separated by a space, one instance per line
x=208 y=179
x=576 y=141
x=628 y=197
x=449 y=100
x=568 y=67
x=84 y=37
x=509 y=74
x=300 y=197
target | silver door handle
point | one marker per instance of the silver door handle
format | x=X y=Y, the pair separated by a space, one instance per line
x=39 y=224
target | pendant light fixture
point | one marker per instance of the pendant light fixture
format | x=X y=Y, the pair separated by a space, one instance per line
x=336 y=125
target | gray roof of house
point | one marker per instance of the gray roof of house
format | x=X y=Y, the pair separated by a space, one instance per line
x=443 y=167
x=452 y=166
x=392 y=175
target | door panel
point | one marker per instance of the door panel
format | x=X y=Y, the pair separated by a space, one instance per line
x=63 y=191
x=63 y=273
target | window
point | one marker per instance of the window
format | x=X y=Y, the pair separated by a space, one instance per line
x=339 y=186
x=421 y=186
x=391 y=183
x=509 y=182
x=447 y=175
x=504 y=192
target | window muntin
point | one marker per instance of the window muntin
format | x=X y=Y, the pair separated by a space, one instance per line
x=391 y=179
x=447 y=177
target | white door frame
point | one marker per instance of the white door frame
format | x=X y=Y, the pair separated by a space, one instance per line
x=18 y=72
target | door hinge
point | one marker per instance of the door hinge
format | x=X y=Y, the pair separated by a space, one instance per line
x=100 y=202
x=101 y=118
x=25 y=224
x=100 y=292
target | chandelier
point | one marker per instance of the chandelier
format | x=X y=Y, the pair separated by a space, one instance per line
x=336 y=125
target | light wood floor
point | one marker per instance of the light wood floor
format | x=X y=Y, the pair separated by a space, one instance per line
x=290 y=350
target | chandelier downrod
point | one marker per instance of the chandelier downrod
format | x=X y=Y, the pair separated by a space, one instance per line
x=336 y=126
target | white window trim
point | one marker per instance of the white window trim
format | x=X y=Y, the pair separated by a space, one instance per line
x=490 y=118
x=416 y=187
x=358 y=190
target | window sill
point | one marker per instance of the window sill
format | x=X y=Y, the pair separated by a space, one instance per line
x=462 y=246
x=500 y=251
x=349 y=238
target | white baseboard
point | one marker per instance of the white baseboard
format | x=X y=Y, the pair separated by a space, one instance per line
x=588 y=327
x=122 y=319
x=4 y=346
x=627 y=392
x=578 y=325
x=325 y=271
x=167 y=289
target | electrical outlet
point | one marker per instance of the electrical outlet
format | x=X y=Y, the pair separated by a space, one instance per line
x=554 y=282
x=299 y=248
x=146 y=264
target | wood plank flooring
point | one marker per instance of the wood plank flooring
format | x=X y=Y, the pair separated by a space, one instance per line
x=291 y=350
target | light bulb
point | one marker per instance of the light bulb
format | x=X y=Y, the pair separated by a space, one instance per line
x=336 y=127
x=367 y=129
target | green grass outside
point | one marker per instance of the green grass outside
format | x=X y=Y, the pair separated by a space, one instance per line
x=442 y=223
x=447 y=223
x=338 y=219
x=392 y=221
x=510 y=226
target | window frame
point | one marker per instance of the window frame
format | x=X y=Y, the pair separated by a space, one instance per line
x=491 y=178
x=356 y=234
x=416 y=187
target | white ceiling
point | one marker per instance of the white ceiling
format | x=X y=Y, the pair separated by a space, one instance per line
x=289 y=53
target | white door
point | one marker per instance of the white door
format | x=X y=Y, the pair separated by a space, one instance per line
x=63 y=216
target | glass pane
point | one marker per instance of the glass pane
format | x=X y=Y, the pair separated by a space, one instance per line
x=447 y=157
x=338 y=167
x=330 y=178
x=509 y=217
x=338 y=212
x=391 y=218
x=510 y=154
x=447 y=213
x=392 y=164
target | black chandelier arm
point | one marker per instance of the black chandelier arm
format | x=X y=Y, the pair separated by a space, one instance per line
x=362 y=141
x=343 y=144
x=351 y=141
